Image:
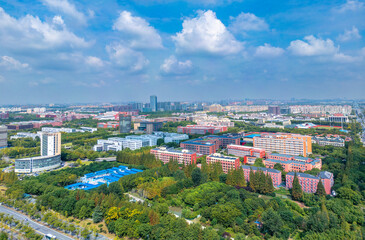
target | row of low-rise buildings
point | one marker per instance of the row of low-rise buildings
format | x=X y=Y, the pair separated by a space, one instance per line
x=201 y=130
x=308 y=182
x=134 y=142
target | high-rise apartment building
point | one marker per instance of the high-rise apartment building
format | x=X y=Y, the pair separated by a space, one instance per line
x=50 y=144
x=3 y=136
x=125 y=123
x=283 y=143
x=153 y=103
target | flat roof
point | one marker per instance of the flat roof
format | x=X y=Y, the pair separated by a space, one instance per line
x=260 y=168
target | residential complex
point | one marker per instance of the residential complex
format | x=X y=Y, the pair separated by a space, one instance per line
x=309 y=182
x=199 y=129
x=25 y=135
x=182 y=156
x=3 y=137
x=292 y=163
x=227 y=162
x=107 y=176
x=274 y=174
x=284 y=143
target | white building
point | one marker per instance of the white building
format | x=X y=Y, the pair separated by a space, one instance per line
x=25 y=135
x=50 y=143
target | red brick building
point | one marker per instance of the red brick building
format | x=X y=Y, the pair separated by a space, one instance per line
x=227 y=162
x=309 y=182
x=181 y=156
x=248 y=153
x=274 y=174
x=292 y=163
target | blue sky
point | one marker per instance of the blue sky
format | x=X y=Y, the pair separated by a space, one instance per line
x=64 y=51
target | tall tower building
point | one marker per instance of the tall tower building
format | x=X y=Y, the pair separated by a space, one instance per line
x=125 y=123
x=153 y=103
x=3 y=136
x=50 y=144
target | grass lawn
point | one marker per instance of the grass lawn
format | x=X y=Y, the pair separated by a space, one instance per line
x=282 y=191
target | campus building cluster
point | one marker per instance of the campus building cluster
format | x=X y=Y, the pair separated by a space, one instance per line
x=50 y=155
x=309 y=182
x=134 y=142
x=201 y=130
x=284 y=143
x=210 y=144
x=107 y=176
x=227 y=162
x=182 y=156
x=292 y=163
x=249 y=154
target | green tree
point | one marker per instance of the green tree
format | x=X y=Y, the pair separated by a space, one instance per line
x=278 y=166
x=320 y=189
x=296 y=191
x=196 y=176
x=97 y=215
x=269 y=185
x=259 y=163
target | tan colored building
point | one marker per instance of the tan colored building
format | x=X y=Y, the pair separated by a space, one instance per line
x=283 y=143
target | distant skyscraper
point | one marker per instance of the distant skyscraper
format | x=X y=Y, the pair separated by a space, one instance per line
x=125 y=123
x=3 y=136
x=50 y=144
x=153 y=103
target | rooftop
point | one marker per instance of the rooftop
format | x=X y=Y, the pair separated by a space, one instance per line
x=260 y=169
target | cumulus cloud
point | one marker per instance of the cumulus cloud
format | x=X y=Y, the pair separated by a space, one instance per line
x=206 y=34
x=247 y=22
x=11 y=63
x=171 y=66
x=349 y=35
x=67 y=8
x=351 y=5
x=127 y=58
x=313 y=47
x=137 y=31
x=94 y=61
x=30 y=32
x=325 y=49
x=268 y=51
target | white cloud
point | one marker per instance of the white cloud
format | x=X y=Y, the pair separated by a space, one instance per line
x=58 y=20
x=351 y=5
x=137 y=31
x=247 y=22
x=67 y=8
x=268 y=51
x=313 y=47
x=206 y=34
x=349 y=35
x=12 y=63
x=325 y=49
x=94 y=61
x=195 y=2
x=30 y=32
x=174 y=67
x=127 y=58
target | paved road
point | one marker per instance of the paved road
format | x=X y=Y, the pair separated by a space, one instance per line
x=36 y=226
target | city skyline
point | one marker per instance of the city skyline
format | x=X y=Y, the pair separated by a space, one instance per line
x=67 y=51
